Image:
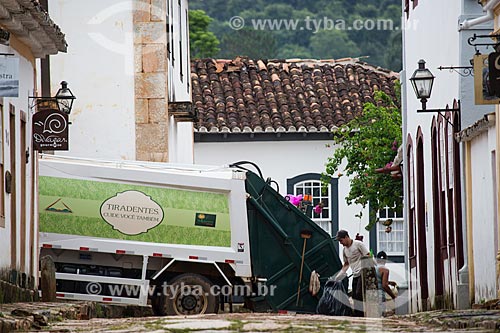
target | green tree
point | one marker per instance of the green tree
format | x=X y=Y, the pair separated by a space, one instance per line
x=248 y=43
x=327 y=44
x=367 y=143
x=289 y=51
x=203 y=43
x=381 y=45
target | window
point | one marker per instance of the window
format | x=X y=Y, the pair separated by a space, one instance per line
x=442 y=188
x=178 y=52
x=169 y=30
x=314 y=188
x=171 y=23
x=449 y=174
x=22 y=193
x=390 y=232
x=310 y=184
x=421 y=215
x=458 y=197
x=411 y=204
x=411 y=179
x=13 y=192
x=186 y=38
x=442 y=152
x=181 y=50
x=451 y=147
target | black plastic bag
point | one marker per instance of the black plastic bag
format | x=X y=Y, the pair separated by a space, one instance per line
x=334 y=301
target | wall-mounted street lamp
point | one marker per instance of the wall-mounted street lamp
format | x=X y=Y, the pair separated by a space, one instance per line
x=62 y=101
x=422 y=81
x=65 y=98
x=51 y=119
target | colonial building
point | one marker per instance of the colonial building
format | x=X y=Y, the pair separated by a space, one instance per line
x=450 y=229
x=27 y=35
x=280 y=114
x=128 y=61
x=482 y=165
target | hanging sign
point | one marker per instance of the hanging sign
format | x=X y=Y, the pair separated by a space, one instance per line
x=50 y=130
x=482 y=88
x=9 y=76
x=494 y=73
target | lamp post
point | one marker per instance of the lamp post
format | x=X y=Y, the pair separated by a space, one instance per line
x=422 y=81
x=62 y=101
x=65 y=98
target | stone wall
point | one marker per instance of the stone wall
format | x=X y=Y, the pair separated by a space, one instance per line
x=17 y=287
x=151 y=96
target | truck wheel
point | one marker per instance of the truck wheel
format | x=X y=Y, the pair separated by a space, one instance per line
x=157 y=305
x=190 y=295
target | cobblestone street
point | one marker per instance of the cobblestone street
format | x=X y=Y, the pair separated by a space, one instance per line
x=80 y=317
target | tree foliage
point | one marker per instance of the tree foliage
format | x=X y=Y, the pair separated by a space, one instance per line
x=255 y=43
x=203 y=43
x=382 y=46
x=366 y=143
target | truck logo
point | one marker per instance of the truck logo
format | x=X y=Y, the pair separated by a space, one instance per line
x=205 y=220
x=58 y=206
x=132 y=212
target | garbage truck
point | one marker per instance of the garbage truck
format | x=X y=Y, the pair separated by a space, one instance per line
x=183 y=238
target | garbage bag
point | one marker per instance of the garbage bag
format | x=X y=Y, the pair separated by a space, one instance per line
x=334 y=301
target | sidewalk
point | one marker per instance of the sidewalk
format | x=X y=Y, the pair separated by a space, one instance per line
x=27 y=316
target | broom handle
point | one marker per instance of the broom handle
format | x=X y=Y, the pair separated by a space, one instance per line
x=301 y=266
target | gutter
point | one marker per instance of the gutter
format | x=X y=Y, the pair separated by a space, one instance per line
x=488 y=8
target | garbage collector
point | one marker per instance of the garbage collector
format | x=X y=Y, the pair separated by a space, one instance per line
x=384 y=284
x=354 y=253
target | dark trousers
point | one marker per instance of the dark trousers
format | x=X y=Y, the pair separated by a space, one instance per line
x=357 y=297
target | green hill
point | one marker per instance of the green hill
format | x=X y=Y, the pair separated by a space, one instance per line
x=322 y=29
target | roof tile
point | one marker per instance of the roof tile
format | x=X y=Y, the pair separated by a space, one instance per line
x=243 y=95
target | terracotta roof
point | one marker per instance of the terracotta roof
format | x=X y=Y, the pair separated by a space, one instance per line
x=29 y=22
x=479 y=127
x=294 y=95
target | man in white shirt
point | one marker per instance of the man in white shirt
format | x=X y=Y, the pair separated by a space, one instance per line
x=354 y=251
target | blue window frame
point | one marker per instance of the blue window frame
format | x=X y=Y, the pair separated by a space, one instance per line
x=310 y=183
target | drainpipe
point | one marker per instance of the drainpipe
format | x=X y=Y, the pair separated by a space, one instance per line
x=488 y=8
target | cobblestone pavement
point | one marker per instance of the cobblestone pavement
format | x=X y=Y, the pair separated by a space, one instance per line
x=254 y=323
x=74 y=317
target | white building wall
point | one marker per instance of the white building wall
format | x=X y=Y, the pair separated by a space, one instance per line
x=483 y=228
x=99 y=69
x=180 y=141
x=430 y=33
x=179 y=59
x=26 y=88
x=282 y=160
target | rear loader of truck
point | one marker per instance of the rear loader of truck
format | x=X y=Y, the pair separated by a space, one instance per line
x=182 y=238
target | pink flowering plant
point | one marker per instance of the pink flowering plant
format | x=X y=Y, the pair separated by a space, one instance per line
x=368 y=142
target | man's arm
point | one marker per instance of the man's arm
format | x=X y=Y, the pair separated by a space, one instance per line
x=345 y=267
x=343 y=271
x=384 y=272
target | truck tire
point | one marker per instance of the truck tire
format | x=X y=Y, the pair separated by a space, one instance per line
x=188 y=294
